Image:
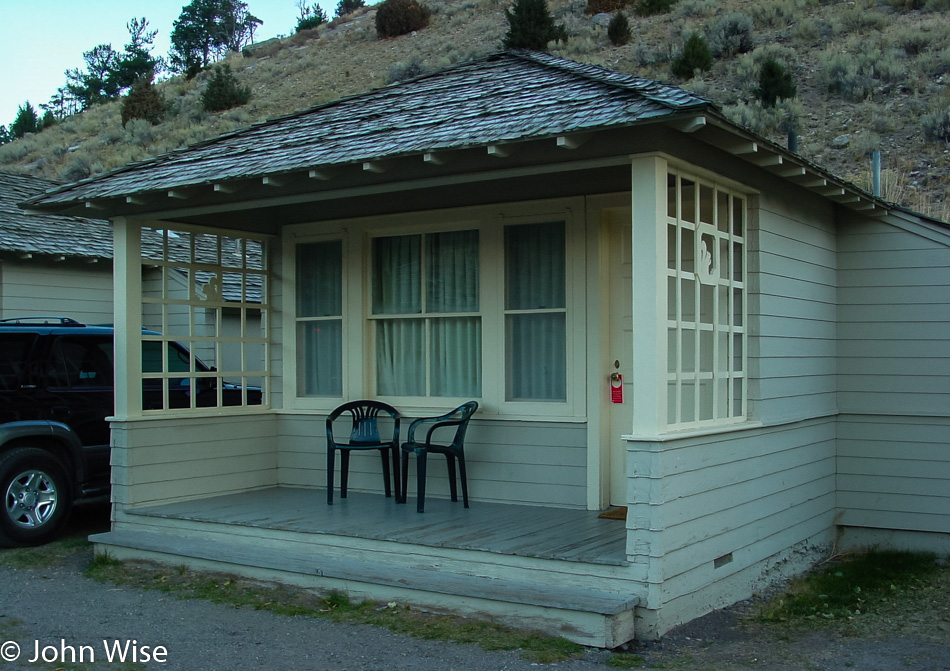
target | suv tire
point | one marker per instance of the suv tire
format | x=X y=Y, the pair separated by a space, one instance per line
x=36 y=497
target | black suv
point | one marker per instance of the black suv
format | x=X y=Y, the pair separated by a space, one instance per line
x=56 y=390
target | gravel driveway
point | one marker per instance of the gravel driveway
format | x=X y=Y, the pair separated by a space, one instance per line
x=59 y=607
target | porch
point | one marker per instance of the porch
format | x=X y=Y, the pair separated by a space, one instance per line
x=527 y=566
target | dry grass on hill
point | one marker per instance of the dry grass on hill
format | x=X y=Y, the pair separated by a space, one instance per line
x=870 y=75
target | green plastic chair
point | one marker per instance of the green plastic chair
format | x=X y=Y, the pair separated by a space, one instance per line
x=364 y=435
x=452 y=451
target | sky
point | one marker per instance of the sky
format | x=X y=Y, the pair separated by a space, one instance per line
x=42 y=39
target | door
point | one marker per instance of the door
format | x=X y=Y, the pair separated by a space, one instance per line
x=620 y=350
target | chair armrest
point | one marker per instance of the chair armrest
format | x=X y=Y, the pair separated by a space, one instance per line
x=436 y=422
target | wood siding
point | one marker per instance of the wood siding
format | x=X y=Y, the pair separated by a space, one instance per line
x=173 y=459
x=82 y=291
x=710 y=509
x=792 y=311
x=534 y=463
x=894 y=378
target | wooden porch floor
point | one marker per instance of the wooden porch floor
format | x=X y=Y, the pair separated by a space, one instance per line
x=527 y=531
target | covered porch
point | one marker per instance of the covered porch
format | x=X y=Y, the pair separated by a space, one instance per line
x=526 y=566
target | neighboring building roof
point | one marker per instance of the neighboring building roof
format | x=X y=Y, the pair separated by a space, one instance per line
x=52 y=234
x=505 y=97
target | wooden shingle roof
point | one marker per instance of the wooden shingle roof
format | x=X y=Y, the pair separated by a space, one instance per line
x=502 y=98
x=50 y=234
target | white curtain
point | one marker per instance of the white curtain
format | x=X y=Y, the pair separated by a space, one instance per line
x=320 y=323
x=535 y=338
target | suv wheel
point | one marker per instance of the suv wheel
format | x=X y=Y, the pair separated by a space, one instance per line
x=36 y=497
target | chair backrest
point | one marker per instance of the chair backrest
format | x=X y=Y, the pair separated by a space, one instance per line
x=465 y=412
x=364 y=415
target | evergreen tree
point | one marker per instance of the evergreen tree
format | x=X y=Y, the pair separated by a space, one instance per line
x=530 y=26
x=223 y=91
x=143 y=102
x=618 y=30
x=695 y=56
x=5 y=135
x=137 y=61
x=349 y=6
x=97 y=83
x=774 y=83
x=206 y=30
x=25 y=122
x=310 y=17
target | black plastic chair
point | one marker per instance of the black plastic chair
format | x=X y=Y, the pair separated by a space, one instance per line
x=363 y=436
x=454 y=450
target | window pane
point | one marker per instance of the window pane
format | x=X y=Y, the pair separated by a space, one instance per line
x=456 y=357
x=320 y=357
x=319 y=279
x=400 y=357
x=534 y=266
x=452 y=272
x=397 y=275
x=536 y=357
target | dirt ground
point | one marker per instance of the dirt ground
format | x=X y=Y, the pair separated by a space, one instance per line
x=55 y=604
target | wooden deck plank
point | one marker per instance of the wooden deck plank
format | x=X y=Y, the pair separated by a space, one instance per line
x=530 y=531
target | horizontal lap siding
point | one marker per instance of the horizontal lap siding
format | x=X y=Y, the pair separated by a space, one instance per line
x=542 y=463
x=78 y=290
x=755 y=494
x=792 y=312
x=157 y=461
x=894 y=322
x=894 y=472
x=894 y=379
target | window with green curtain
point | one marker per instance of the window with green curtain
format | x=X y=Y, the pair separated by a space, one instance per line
x=425 y=301
x=535 y=312
x=320 y=318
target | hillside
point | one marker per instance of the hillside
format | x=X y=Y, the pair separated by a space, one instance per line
x=870 y=75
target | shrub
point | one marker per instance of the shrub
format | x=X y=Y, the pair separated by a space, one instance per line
x=530 y=26
x=143 y=102
x=618 y=30
x=349 y=6
x=731 y=35
x=695 y=56
x=403 y=71
x=653 y=7
x=223 y=91
x=774 y=84
x=310 y=17
x=400 y=17
x=936 y=124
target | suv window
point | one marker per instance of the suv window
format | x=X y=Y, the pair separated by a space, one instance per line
x=81 y=362
x=14 y=351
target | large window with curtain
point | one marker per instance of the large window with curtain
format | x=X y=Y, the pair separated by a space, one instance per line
x=425 y=314
x=320 y=318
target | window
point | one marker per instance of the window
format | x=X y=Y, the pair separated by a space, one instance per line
x=425 y=314
x=208 y=293
x=706 y=303
x=535 y=313
x=320 y=319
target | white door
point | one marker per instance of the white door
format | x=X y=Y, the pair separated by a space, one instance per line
x=620 y=351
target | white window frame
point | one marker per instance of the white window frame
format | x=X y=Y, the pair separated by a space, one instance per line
x=171 y=265
x=359 y=323
x=733 y=409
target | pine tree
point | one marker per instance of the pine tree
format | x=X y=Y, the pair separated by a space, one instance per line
x=695 y=56
x=530 y=26
x=223 y=91
x=26 y=121
x=774 y=83
x=618 y=30
x=143 y=102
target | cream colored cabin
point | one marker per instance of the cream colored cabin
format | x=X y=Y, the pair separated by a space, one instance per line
x=655 y=309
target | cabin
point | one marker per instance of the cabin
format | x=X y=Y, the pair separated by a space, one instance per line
x=701 y=360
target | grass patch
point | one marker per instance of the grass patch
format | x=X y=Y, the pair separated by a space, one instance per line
x=56 y=553
x=853 y=586
x=283 y=600
x=624 y=660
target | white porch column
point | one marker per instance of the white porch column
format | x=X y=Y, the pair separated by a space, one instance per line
x=127 y=279
x=648 y=177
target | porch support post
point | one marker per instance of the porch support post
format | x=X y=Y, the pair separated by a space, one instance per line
x=649 y=175
x=127 y=290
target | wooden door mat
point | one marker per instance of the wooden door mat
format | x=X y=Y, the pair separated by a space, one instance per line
x=615 y=513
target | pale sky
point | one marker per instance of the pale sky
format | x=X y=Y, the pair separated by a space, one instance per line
x=40 y=40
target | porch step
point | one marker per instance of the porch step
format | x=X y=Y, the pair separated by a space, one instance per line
x=308 y=563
